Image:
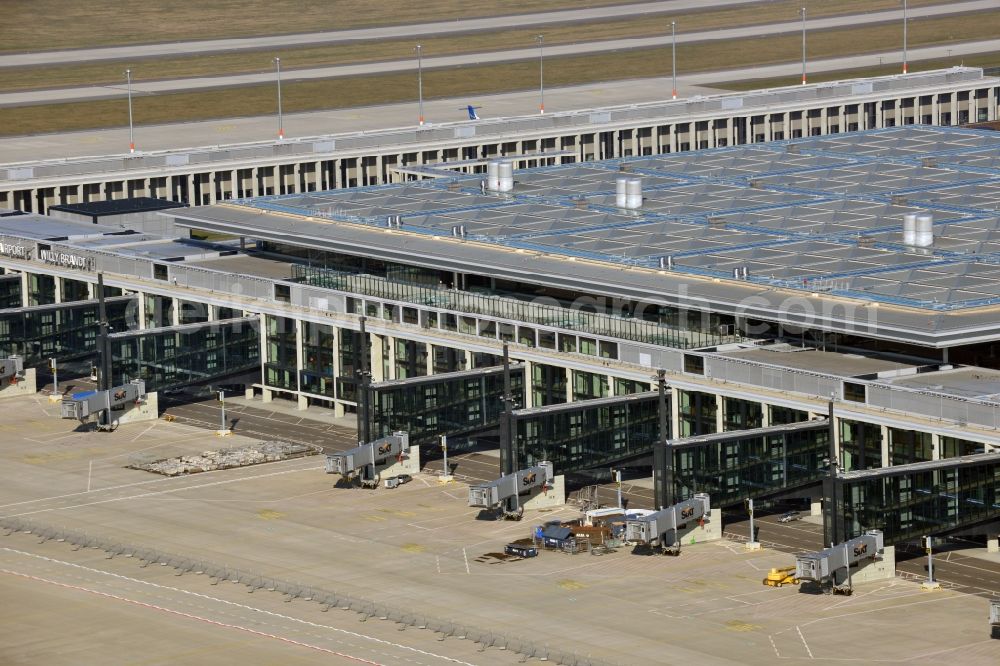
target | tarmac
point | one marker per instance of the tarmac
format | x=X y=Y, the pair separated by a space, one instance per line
x=419 y=548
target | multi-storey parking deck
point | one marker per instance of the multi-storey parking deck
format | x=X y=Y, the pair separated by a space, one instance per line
x=207 y=175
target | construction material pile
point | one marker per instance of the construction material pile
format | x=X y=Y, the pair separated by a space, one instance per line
x=207 y=461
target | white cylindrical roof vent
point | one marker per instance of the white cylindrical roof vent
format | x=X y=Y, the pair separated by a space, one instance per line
x=506 y=176
x=925 y=231
x=633 y=193
x=493 y=175
x=621 y=186
x=910 y=229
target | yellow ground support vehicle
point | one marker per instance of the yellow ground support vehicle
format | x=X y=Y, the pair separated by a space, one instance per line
x=781 y=576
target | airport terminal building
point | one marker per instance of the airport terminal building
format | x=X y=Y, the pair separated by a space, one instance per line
x=757 y=284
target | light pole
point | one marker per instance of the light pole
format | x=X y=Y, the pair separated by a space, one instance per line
x=673 y=59
x=904 y=36
x=281 y=126
x=803 y=46
x=128 y=80
x=420 y=83
x=541 y=72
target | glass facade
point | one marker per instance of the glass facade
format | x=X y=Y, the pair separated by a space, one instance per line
x=410 y=358
x=10 y=291
x=588 y=434
x=447 y=359
x=63 y=331
x=911 y=501
x=589 y=385
x=860 y=445
x=629 y=386
x=548 y=385
x=952 y=447
x=741 y=414
x=732 y=467
x=785 y=415
x=318 y=349
x=180 y=355
x=41 y=289
x=697 y=413
x=74 y=290
x=457 y=404
x=159 y=311
x=909 y=446
x=281 y=365
x=191 y=313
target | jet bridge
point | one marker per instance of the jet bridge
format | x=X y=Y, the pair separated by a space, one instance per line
x=367 y=462
x=11 y=369
x=103 y=404
x=831 y=567
x=503 y=495
x=664 y=527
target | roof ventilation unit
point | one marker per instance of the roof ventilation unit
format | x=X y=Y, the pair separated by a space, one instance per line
x=493 y=175
x=924 y=236
x=633 y=193
x=505 y=176
x=667 y=261
x=910 y=229
x=621 y=191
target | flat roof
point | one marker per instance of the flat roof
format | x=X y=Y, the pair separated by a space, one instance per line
x=118 y=206
x=42 y=228
x=817 y=216
x=837 y=364
x=965 y=382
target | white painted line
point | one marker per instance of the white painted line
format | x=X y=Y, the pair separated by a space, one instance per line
x=90 y=473
x=152 y=425
x=237 y=605
x=466 y=556
x=808 y=651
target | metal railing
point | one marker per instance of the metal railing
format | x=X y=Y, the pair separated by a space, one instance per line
x=326 y=599
x=507 y=308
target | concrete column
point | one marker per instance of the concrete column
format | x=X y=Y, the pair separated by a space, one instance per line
x=765 y=415
x=673 y=138
x=731 y=122
x=318 y=175
x=935 y=110
x=190 y=191
x=175 y=312
x=391 y=344
x=24 y=289
x=300 y=358
x=720 y=405
x=935 y=446
x=675 y=412
x=886 y=460
x=213 y=183
x=264 y=394
x=991 y=101
x=92 y=292
x=379 y=163
x=768 y=130
x=59 y=289
x=954 y=108
x=824 y=120
x=378 y=371
x=468 y=366
x=569 y=385
x=430 y=358
x=234 y=184
x=529 y=395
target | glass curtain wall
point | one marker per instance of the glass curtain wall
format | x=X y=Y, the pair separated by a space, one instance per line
x=593 y=433
x=281 y=364
x=63 y=331
x=177 y=356
x=318 y=349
